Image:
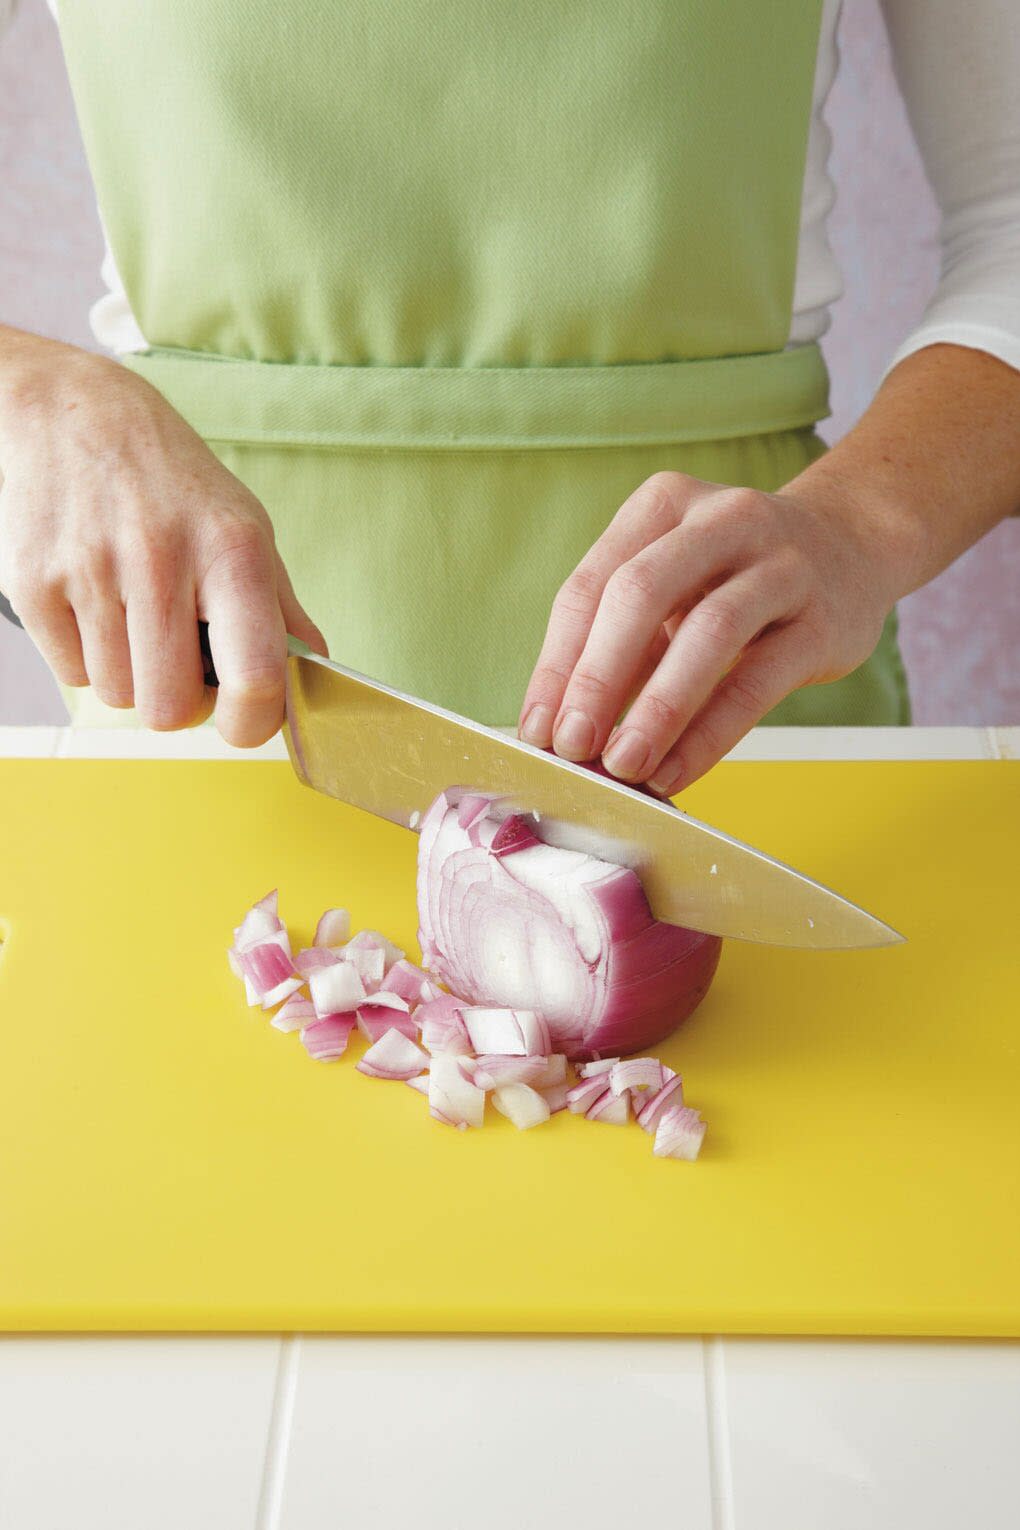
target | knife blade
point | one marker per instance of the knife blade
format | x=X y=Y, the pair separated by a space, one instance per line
x=391 y=754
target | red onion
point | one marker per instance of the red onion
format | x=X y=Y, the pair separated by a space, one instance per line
x=508 y=921
x=333 y=928
x=522 y=1105
x=394 y=1056
x=336 y=990
x=382 y=1012
x=680 y=1134
x=327 y=1039
x=671 y=1094
x=294 y=1015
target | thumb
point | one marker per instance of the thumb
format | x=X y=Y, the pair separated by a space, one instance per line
x=296 y=619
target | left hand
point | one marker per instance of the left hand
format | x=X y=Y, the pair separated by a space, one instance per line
x=701 y=607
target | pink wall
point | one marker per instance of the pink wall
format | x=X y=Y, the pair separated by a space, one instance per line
x=961 y=635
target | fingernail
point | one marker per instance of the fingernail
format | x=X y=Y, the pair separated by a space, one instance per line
x=537 y=727
x=666 y=785
x=626 y=754
x=575 y=737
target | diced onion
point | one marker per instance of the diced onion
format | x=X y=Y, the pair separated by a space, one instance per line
x=393 y=1056
x=524 y=1106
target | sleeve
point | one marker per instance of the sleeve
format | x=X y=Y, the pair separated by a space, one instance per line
x=958 y=65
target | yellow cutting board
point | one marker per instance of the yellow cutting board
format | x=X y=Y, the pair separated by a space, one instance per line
x=167 y=1161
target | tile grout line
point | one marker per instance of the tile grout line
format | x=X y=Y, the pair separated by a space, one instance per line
x=281 y=1420
x=720 y=1468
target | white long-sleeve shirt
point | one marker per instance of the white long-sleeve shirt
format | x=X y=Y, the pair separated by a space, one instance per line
x=958 y=65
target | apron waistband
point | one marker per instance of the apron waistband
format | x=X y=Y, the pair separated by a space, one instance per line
x=489 y=408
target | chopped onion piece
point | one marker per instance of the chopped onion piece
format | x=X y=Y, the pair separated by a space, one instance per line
x=637 y=1073
x=421 y=1083
x=327 y=1039
x=554 y=1072
x=671 y=1094
x=514 y=833
x=336 y=990
x=251 y=994
x=382 y=1012
x=472 y=807
x=369 y=962
x=584 y=1094
x=496 y=1030
x=234 y=964
x=393 y=1057
x=522 y=1105
x=679 y=1134
x=266 y=966
x=442 y=1029
x=556 y=1097
x=282 y=991
x=261 y=921
x=372 y=940
x=409 y=982
x=297 y=1013
x=333 y=928
x=612 y=1109
x=599 y=1066
x=493 y=1072
x=452 y=1094
x=312 y=958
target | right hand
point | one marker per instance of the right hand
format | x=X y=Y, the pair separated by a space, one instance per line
x=119 y=531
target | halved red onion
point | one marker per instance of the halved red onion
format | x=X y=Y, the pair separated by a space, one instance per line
x=452 y=1094
x=393 y=1057
x=671 y=1094
x=294 y=1015
x=564 y=935
x=679 y=1134
x=336 y=990
x=636 y=1075
x=333 y=928
x=611 y=1109
x=524 y=1106
x=327 y=1039
x=409 y=982
x=382 y=1012
x=313 y=957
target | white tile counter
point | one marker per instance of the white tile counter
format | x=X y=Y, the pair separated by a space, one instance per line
x=375 y=1433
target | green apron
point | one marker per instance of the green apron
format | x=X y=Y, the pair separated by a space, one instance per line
x=443 y=283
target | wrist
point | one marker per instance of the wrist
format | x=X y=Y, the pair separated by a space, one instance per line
x=39 y=376
x=871 y=513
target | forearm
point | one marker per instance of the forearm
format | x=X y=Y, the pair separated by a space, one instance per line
x=933 y=464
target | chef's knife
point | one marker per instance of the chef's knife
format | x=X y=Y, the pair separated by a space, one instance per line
x=390 y=754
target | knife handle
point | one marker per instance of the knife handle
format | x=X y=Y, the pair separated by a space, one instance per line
x=208 y=667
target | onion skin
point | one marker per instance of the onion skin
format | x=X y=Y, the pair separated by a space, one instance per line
x=606 y=977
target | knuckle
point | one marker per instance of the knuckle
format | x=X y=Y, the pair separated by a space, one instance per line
x=588 y=683
x=167 y=713
x=661 y=714
x=549 y=677
x=240 y=551
x=633 y=585
x=578 y=594
x=717 y=622
x=749 y=694
x=259 y=685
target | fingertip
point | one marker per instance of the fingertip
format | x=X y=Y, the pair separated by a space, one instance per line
x=536 y=725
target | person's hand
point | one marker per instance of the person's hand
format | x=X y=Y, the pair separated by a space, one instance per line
x=119 y=530
x=700 y=608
